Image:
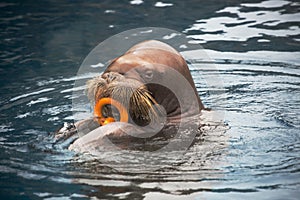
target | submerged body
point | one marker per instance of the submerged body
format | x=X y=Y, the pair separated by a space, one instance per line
x=152 y=81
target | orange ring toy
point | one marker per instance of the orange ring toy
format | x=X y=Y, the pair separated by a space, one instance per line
x=109 y=101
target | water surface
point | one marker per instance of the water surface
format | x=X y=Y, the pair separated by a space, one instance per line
x=253 y=48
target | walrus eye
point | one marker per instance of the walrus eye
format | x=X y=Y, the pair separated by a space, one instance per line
x=148 y=74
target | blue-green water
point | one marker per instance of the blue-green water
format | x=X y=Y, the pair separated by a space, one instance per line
x=254 y=50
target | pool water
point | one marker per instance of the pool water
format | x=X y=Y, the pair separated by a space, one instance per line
x=253 y=48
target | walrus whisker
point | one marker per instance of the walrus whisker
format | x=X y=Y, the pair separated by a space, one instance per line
x=135 y=97
x=148 y=101
x=94 y=87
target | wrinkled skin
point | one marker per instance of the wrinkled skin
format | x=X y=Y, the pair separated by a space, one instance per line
x=142 y=65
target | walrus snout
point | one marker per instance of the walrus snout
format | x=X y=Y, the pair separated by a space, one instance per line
x=112 y=76
x=130 y=92
x=113 y=85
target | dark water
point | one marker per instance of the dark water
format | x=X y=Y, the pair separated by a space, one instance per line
x=254 y=51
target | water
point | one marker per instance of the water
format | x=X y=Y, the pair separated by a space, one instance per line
x=254 y=46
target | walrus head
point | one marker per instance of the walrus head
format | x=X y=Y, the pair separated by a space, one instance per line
x=134 y=80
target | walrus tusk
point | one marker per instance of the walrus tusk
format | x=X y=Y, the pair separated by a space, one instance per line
x=109 y=101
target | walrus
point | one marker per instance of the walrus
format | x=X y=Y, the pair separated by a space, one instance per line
x=152 y=82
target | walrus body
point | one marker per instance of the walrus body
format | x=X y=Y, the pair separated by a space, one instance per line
x=153 y=81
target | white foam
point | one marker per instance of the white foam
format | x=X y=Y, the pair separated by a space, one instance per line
x=79 y=88
x=172 y=35
x=136 y=2
x=39 y=100
x=162 y=4
x=109 y=11
x=263 y=40
x=245 y=26
x=5 y=128
x=99 y=64
x=264 y=56
x=32 y=93
x=51 y=119
x=23 y=115
x=81 y=76
x=267 y=4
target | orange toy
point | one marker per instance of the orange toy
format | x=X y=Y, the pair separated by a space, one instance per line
x=109 y=101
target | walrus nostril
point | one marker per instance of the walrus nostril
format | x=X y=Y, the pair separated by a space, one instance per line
x=111 y=76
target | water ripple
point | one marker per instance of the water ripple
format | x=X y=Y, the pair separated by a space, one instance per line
x=243 y=25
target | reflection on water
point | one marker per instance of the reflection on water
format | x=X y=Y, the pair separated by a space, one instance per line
x=254 y=49
x=243 y=22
